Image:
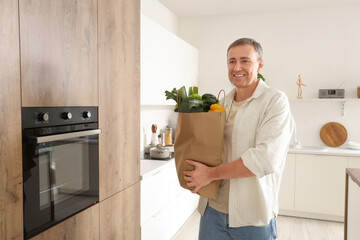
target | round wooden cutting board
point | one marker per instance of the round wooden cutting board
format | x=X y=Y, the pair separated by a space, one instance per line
x=333 y=134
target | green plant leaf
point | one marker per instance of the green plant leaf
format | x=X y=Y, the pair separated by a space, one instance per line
x=261 y=77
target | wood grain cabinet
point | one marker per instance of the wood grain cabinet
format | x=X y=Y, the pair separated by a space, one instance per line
x=74 y=53
x=119 y=95
x=352 y=207
x=10 y=124
x=120 y=215
x=84 y=225
x=58 y=53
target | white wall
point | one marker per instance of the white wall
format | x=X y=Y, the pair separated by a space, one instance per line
x=322 y=44
x=163 y=116
x=160 y=14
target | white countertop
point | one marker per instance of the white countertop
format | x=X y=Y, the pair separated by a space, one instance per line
x=149 y=167
x=324 y=150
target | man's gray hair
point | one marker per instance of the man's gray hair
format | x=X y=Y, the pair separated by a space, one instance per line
x=250 y=41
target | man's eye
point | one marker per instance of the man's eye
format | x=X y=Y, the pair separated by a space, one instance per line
x=231 y=62
x=245 y=61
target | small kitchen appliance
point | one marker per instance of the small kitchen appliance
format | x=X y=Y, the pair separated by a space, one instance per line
x=331 y=93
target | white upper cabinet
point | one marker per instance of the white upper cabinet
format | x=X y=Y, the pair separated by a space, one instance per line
x=167 y=61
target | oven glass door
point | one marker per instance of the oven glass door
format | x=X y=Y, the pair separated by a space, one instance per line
x=60 y=179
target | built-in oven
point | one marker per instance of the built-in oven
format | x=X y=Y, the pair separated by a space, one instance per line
x=60 y=164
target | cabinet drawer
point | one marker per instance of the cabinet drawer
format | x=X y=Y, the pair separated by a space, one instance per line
x=320 y=184
x=165 y=223
x=154 y=194
x=174 y=186
x=180 y=209
x=156 y=227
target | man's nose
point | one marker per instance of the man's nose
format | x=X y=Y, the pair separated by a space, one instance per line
x=237 y=66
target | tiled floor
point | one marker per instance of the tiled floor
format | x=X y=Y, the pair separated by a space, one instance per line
x=289 y=228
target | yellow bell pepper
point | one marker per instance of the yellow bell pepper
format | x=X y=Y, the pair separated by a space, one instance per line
x=216 y=108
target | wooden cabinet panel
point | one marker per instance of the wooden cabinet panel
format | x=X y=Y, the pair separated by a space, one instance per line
x=84 y=225
x=58 y=53
x=353 y=211
x=120 y=215
x=11 y=197
x=10 y=101
x=119 y=95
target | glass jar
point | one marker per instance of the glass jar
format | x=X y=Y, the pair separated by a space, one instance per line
x=168 y=137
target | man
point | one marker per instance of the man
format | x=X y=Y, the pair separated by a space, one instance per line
x=257 y=132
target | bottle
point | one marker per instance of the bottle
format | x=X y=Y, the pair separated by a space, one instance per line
x=168 y=137
x=153 y=135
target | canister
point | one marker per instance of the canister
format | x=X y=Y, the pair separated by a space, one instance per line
x=168 y=137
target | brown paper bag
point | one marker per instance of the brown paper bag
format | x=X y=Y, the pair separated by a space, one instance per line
x=199 y=137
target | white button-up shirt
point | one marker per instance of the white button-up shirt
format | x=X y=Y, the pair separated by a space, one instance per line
x=261 y=134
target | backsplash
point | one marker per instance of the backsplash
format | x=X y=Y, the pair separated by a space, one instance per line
x=161 y=115
x=311 y=115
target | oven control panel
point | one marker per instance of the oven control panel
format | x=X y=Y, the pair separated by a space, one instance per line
x=57 y=116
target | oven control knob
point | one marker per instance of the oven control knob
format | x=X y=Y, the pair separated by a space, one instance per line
x=42 y=117
x=86 y=114
x=66 y=115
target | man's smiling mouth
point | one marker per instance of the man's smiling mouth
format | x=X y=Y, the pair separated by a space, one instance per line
x=239 y=75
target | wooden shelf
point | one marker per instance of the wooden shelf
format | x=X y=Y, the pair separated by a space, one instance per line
x=342 y=100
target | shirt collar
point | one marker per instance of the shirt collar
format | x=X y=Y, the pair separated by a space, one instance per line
x=260 y=88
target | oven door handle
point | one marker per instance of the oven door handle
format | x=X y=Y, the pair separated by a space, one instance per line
x=64 y=136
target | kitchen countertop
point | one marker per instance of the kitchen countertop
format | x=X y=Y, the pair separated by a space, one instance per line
x=324 y=150
x=354 y=173
x=149 y=166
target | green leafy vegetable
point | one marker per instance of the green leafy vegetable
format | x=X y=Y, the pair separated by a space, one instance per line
x=191 y=103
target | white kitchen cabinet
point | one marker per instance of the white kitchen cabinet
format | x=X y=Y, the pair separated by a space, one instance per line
x=165 y=206
x=287 y=187
x=167 y=61
x=320 y=184
x=154 y=194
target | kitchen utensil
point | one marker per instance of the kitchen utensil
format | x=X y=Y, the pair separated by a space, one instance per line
x=147 y=151
x=333 y=134
x=159 y=152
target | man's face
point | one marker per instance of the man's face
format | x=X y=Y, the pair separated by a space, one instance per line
x=243 y=66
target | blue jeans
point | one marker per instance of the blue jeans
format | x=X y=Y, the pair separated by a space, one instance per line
x=214 y=225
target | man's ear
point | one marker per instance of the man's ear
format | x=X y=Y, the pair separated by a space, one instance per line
x=261 y=65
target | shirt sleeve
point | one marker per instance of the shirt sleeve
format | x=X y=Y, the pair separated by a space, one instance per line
x=272 y=138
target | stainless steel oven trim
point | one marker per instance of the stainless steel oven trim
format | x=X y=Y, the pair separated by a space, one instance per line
x=58 y=137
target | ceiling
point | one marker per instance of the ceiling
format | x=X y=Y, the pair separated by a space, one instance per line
x=193 y=8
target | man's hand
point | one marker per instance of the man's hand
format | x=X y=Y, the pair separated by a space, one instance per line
x=197 y=178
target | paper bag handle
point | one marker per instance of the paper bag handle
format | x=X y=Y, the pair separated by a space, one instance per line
x=222 y=90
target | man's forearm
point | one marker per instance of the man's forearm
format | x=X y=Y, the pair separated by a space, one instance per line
x=235 y=169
